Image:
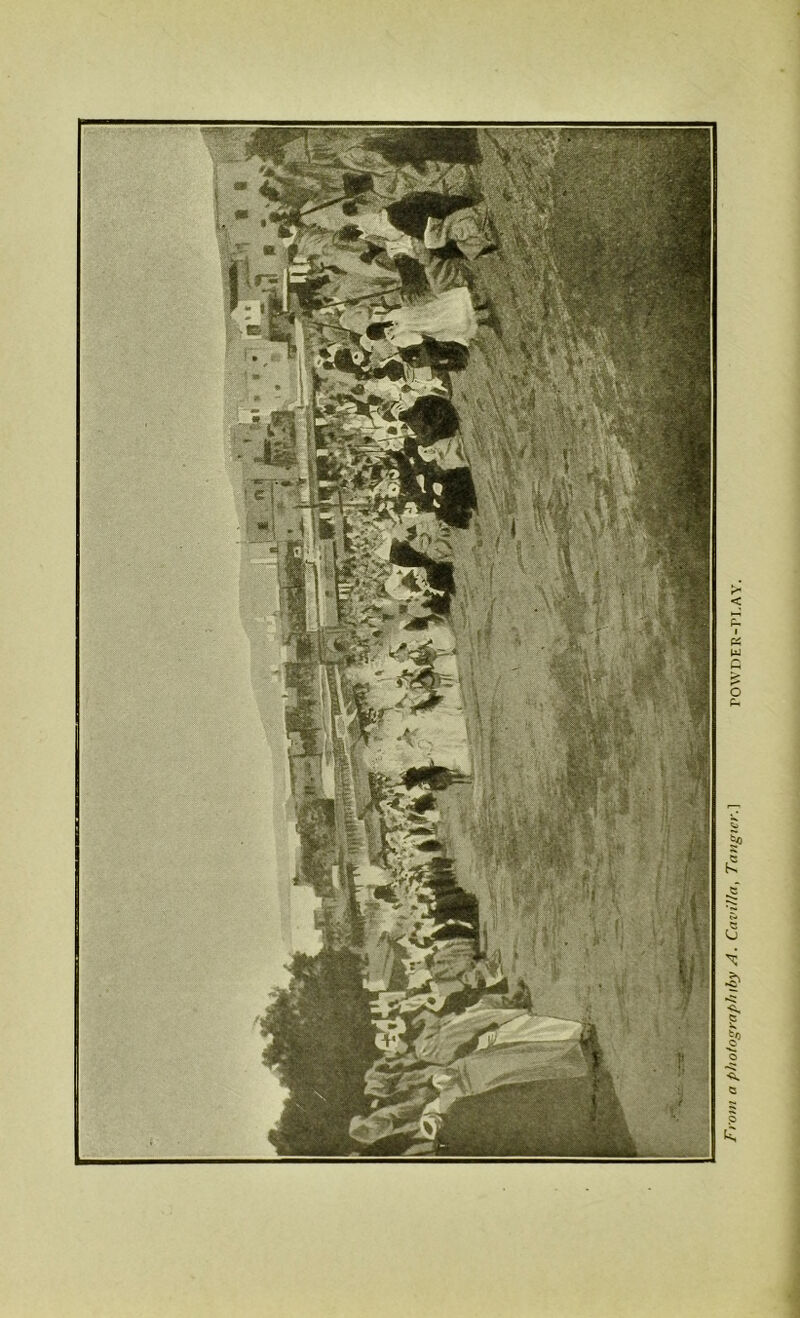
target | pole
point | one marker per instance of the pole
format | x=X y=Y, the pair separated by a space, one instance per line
x=323 y=205
x=367 y=297
x=365 y=180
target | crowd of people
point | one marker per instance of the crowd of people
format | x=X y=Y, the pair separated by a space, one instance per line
x=452 y=1028
x=453 y=1054
x=382 y=235
x=383 y=230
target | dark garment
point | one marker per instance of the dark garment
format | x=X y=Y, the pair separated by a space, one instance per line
x=441 y=887
x=457 y=501
x=431 y=417
x=409 y=466
x=391 y=370
x=453 y=501
x=437 y=354
x=424 y=679
x=411 y=213
x=456 y=906
x=456 y=931
x=416 y=624
x=450 y=252
x=458 y=1002
x=435 y=776
x=450 y=493
x=372 y=253
x=438 y=604
x=405 y=555
x=412 y=277
x=440 y=575
x=417 y=818
x=415 y=145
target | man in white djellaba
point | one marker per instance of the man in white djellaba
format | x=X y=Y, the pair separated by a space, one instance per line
x=449 y=317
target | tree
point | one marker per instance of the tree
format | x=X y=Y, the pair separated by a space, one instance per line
x=269 y=142
x=320 y=1041
x=317 y=829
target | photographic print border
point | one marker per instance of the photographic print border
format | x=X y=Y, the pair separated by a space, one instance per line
x=711 y=126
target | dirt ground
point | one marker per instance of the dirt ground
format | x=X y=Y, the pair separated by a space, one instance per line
x=581 y=606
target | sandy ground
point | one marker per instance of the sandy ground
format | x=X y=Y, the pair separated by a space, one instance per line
x=581 y=607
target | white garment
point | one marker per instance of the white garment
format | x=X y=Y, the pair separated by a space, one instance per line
x=446 y=453
x=376 y=224
x=449 y=317
x=403 y=246
x=378 y=228
x=469 y=228
x=531 y=1029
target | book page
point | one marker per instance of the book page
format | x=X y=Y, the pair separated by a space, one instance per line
x=610 y=719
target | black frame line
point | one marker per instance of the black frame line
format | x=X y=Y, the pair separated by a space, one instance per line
x=711 y=125
x=712 y=782
x=76 y=952
x=340 y=1159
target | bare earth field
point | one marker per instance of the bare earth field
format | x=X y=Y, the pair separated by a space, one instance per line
x=581 y=606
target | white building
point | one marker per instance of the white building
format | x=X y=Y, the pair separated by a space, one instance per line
x=248 y=317
x=262 y=588
x=272 y=381
x=243 y=216
x=304 y=904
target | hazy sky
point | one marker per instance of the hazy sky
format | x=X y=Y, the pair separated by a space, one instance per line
x=180 y=937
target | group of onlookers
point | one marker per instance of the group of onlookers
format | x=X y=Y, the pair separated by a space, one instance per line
x=383 y=227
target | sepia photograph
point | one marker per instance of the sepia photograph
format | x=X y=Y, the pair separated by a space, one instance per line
x=395 y=641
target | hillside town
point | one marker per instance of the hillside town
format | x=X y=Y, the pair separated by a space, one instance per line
x=352 y=262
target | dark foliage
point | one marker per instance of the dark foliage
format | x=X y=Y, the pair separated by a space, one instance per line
x=268 y=142
x=415 y=145
x=320 y=1041
x=317 y=830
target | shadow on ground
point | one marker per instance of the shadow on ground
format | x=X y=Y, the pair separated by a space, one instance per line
x=549 y=1119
